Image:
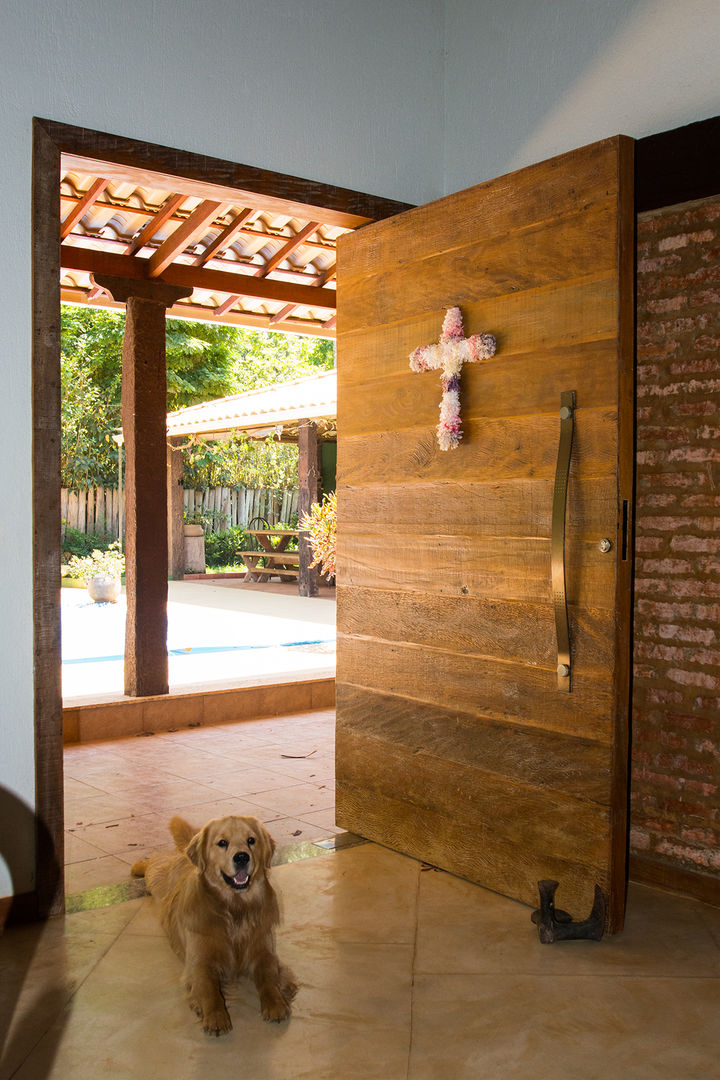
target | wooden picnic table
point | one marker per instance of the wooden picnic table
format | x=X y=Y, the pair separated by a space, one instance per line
x=278 y=561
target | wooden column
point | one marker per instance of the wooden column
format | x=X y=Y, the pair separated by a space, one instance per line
x=144 y=409
x=176 y=540
x=308 y=485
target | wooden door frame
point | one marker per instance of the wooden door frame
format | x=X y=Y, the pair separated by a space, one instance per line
x=50 y=141
x=670 y=167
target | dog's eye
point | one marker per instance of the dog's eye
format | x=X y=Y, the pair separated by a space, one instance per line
x=222 y=843
x=251 y=841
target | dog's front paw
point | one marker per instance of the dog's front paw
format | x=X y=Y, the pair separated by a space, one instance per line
x=217 y=1022
x=274 y=1006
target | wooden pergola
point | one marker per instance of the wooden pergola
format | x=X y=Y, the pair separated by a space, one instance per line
x=194 y=238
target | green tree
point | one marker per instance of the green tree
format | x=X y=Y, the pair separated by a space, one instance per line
x=204 y=362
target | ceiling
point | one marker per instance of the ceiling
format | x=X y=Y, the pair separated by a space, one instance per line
x=249 y=262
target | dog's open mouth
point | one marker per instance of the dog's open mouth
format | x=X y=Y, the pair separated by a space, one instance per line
x=240 y=881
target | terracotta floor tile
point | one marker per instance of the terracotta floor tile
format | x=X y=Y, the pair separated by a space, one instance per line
x=298 y=800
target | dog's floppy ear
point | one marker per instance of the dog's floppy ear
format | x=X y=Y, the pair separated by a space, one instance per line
x=269 y=848
x=195 y=851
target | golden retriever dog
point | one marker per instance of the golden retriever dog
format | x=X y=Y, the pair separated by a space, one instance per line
x=219 y=911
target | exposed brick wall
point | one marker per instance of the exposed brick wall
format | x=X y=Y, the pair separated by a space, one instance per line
x=676 y=721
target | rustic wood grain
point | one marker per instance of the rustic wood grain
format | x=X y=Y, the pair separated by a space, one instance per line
x=446 y=648
x=544 y=256
x=154 y=165
x=494 y=688
x=516 y=201
x=48 y=897
x=452 y=844
x=531 y=756
x=499 y=568
x=515 y=631
x=541 y=322
x=503 y=387
x=514 y=507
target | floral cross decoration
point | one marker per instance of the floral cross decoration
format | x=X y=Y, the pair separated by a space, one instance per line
x=451 y=352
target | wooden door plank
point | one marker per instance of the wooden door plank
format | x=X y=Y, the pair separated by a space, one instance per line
x=539 y=193
x=458 y=846
x=544 y=256
x=492 y=687
x=513 y=631
x=444 y=588
x=529 y=756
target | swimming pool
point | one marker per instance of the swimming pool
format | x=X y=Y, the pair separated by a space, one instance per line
x=214 y=634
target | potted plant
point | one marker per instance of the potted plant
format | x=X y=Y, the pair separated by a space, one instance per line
x=101 y=571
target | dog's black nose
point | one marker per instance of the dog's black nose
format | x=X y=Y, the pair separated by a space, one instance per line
x=240 y=858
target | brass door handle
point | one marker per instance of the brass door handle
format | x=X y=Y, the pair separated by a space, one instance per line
x=557 y=550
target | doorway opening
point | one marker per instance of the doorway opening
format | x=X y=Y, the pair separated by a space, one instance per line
x=204 y=187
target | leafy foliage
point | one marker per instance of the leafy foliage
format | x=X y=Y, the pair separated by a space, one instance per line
x=204 y=362
x=108 y=564
x=221 y=547
x=75 y=542
x=321 y=525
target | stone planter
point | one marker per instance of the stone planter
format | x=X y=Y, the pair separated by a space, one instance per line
x=194 y=549
x=104 y=590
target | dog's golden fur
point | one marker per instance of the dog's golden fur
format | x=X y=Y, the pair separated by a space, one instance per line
x=219 y=911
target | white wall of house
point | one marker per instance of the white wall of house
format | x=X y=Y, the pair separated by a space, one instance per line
x=402 y=98
x=528 y=79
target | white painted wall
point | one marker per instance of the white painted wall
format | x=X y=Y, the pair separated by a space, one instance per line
x=528 y=79
x=343 y=91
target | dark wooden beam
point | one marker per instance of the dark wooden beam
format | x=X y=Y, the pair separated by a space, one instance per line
x=308 y=493
x=175 y=504
x=282 y=314
x=183 y=236
x=224 y=238
x=81 y=208
x=144 y=411
x=133 y=268
x=149 y=229
x=678 y=166
x=48 y=895
x=113 y=156
x=283 y=252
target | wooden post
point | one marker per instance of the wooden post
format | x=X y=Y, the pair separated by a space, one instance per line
x=144 y=409
x=308 y=578
x=175 y=505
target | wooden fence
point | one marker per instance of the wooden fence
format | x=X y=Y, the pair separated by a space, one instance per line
x=96 y=510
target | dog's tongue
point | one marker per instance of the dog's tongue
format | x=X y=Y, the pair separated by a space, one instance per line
x=241 y=878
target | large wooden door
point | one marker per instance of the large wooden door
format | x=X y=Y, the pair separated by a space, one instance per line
x=454 y=743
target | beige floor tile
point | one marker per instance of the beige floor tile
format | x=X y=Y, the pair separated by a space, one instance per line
x=311 y=769
x=364 y=894
x=147 y=830
x=288 y=830
x=130 y=1020
x=298 y=800
x=100 y=808
x=77 y=789
x=243 y=781
x=226 y=806
x=93 y=874
x=464 y=928
x=322 y=823
x=77 y=849
x=520 y=1027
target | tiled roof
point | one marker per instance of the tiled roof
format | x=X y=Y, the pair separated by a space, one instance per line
x=275 y=409
x=233 y=248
